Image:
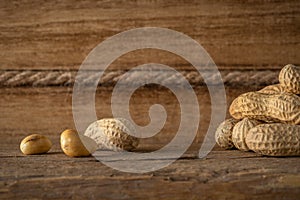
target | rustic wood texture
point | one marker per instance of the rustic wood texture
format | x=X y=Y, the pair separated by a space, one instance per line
x=49 y=110
x=222 y=175
x=237 y=34
x=56 y=36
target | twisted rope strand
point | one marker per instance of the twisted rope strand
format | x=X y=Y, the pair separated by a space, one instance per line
x=19 y=78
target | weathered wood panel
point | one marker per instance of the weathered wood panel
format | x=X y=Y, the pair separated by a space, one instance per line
x=56 y=36
x=237 y=34
x=223 y=174
x=48 y=110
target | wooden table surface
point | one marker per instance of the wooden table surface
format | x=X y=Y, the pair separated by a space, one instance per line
x=222 y=174
x=42 y=45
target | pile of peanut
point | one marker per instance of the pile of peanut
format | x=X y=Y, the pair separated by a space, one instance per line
x=266 y=121
x=110 y=134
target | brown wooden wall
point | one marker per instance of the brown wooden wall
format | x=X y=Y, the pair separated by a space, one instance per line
x=48 y=35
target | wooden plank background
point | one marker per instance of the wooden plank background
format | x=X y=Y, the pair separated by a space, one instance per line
x=48 y=35
x=48 y=40
x=221 y=175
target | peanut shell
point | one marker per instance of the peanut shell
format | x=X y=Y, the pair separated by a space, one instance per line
x=113 y=134
x=223 y=135
x=283 y=107
x=272 y=89
x=289 y=78
x=275 y=139
x=240 y=131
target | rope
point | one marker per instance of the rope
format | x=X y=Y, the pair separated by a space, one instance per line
x=20 y=78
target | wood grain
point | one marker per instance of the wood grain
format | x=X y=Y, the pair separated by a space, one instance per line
x=237 y=34
x=48 y=110
x=222 y=175
x=56 y=36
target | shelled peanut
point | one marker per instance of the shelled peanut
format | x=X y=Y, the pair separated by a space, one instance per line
x=270 y=117
x=35 y=144
x=76 y=145
x=114 y=134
